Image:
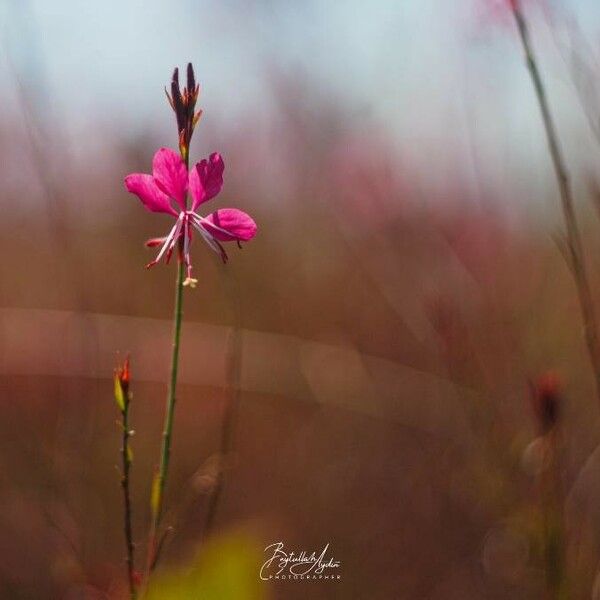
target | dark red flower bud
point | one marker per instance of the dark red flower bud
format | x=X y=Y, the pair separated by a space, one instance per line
x=191 y=80
x=546 y=395
x=177 y=100
x=123 y=373
x=183 y=104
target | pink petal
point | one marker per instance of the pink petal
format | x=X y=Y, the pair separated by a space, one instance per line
x=206 y=179
x=154 y=242
x=149 y=193
x=170 y=174
x=231 y=224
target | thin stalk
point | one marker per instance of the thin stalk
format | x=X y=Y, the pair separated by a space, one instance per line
x=158 y=501
x=553 y=507
x=574 y=243
x=126 y=457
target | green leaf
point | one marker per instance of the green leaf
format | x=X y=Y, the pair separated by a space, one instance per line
x=155 y=495
x=119 y=395
x=227 y=568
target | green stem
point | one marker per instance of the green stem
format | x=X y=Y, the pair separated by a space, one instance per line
x=170 y=408
x=165 y=454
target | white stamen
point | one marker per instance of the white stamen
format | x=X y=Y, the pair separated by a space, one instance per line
x=171 y=238
x=203 y=220
x=187 y=238
x=208 y=238
x=204 y=226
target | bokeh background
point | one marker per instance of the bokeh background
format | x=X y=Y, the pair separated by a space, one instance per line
x=358 y=374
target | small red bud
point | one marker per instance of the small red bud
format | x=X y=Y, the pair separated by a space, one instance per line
x=137 y=578
x=122 y=372
x=546 y=395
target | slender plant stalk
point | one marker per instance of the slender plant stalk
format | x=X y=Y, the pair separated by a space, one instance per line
x=183 y=106
x=553 y=518
x=126 y=456
x=158 y=501
x=573 y=238
x=171 y=398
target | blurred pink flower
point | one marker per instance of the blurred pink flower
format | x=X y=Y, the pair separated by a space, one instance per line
x=499 y=12
x=166 y=191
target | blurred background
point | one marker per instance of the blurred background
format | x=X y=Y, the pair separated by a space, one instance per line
x=365 y=372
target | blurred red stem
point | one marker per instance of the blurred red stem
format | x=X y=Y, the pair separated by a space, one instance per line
x=125 y=452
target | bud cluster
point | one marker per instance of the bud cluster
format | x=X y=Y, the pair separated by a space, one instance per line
x=183 y=103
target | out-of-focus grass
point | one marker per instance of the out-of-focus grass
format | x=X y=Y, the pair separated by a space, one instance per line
x=225 y=570
x=391 y=328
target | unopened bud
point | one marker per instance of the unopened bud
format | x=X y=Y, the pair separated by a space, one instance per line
x=546 y=400
x=121 y=381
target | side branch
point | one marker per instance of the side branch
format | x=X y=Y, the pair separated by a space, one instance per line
x=126 y=460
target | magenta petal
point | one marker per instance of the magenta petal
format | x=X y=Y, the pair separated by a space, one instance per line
x=149 y=193
x=171 y=174
x=230 y=224
x=206 y=179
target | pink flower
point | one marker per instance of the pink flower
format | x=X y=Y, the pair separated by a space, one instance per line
x=166 y=191
x=500 y=12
